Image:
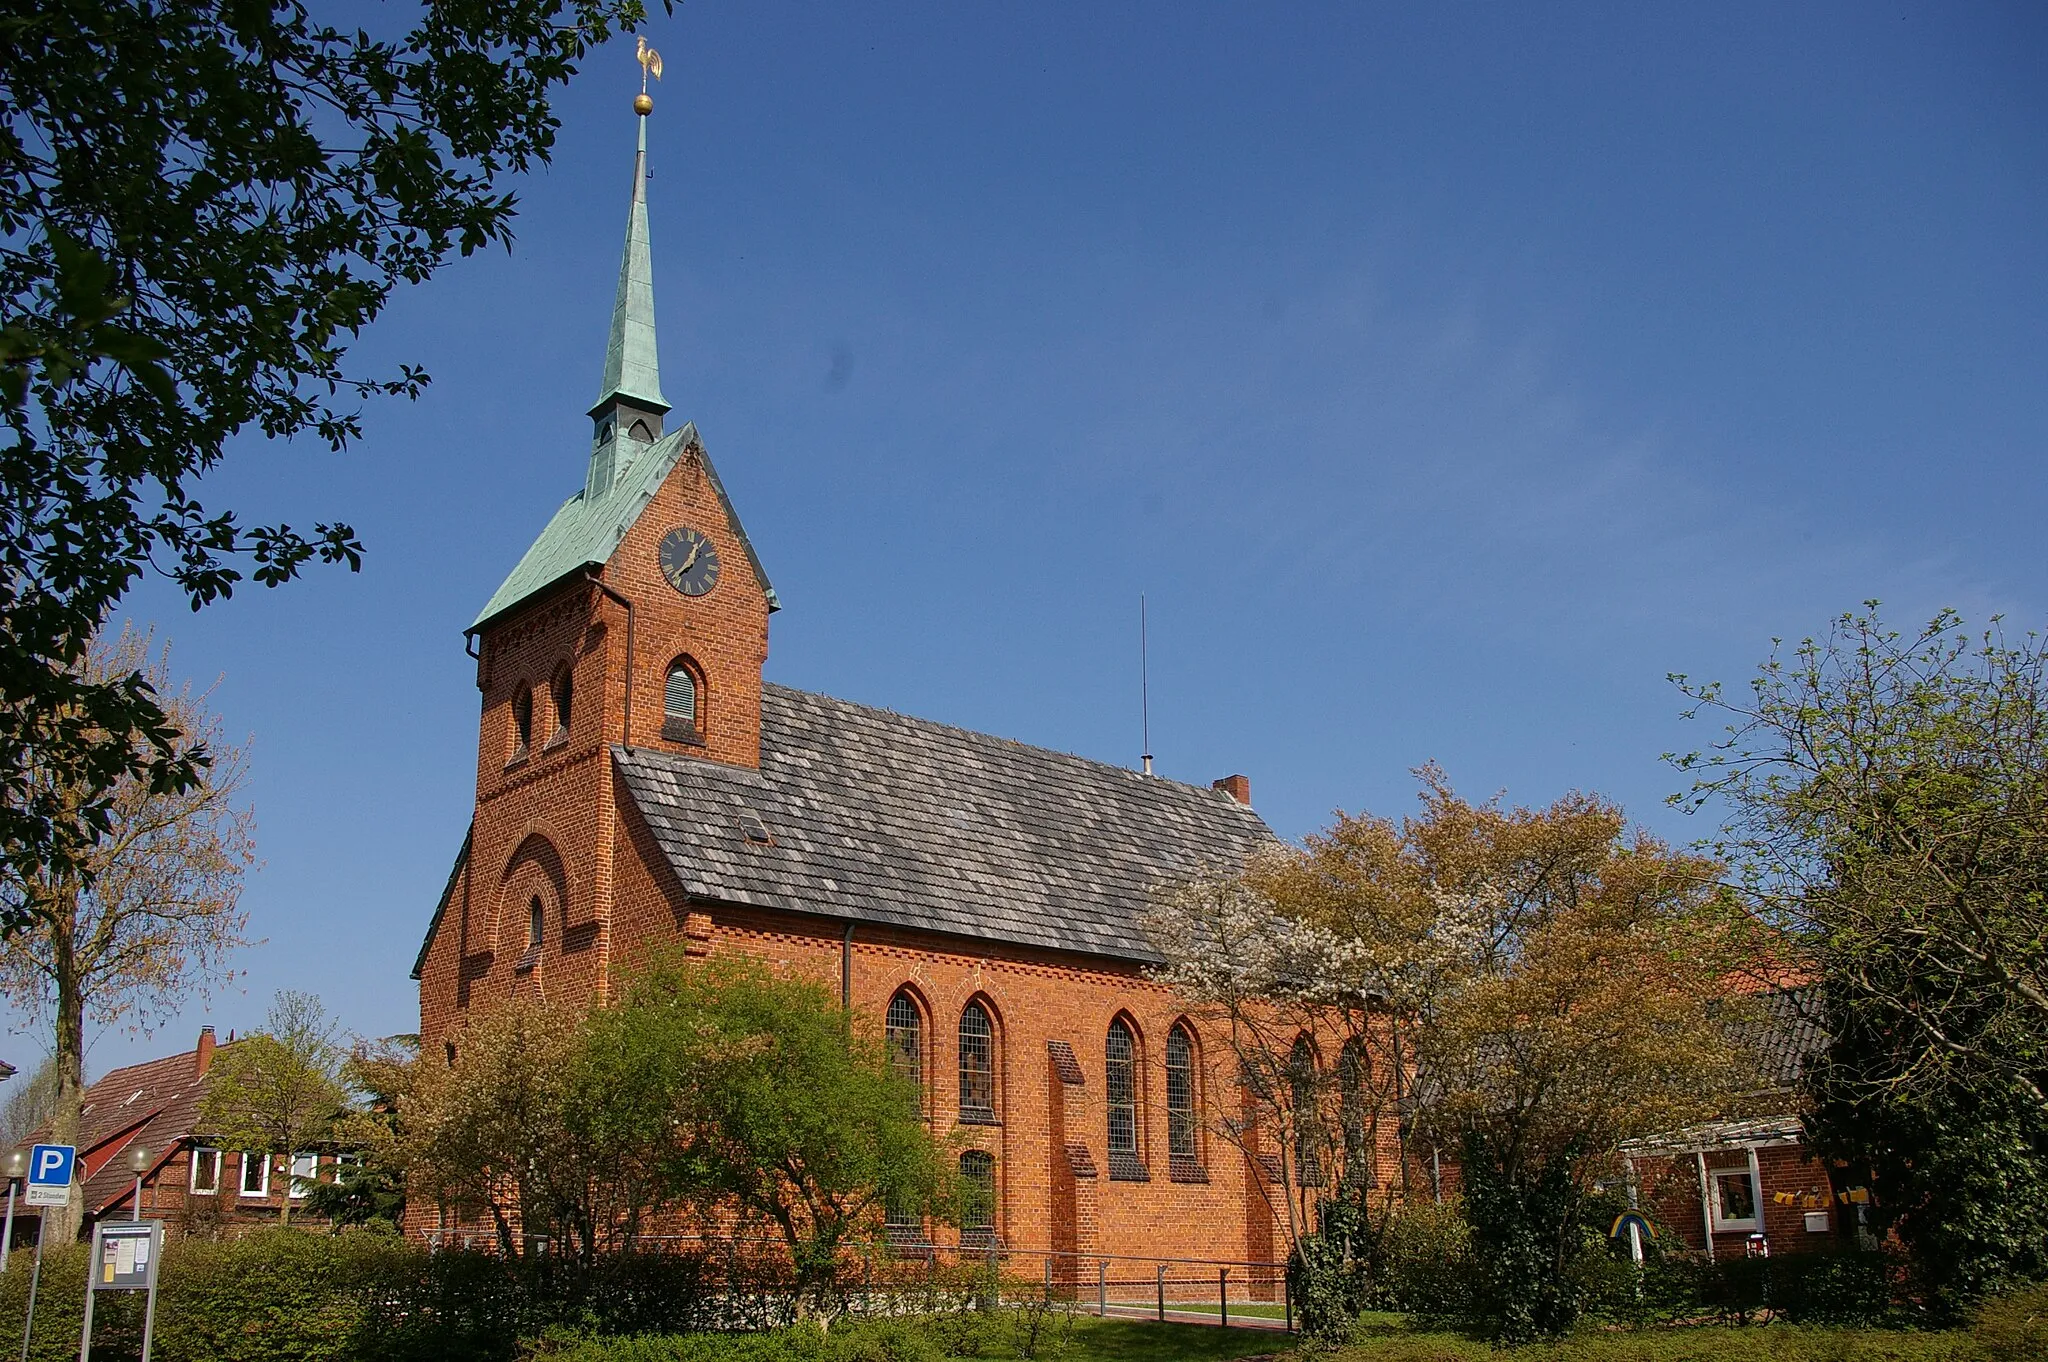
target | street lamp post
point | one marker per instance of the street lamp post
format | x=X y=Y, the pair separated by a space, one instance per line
x=15 y=1165
x=138 y=1164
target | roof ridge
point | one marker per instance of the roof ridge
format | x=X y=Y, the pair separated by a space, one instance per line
x=943 y=726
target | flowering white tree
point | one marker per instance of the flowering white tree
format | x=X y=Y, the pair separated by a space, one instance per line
x=1541 y=983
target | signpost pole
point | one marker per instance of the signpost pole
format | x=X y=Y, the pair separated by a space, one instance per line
x=35 y=1276
x=92 y=1266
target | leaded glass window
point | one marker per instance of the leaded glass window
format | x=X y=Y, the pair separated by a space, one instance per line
x=1180 y=1094
x=903 y=1030
x=978 y=1197
x=1120 y=1086
x=977 y=1063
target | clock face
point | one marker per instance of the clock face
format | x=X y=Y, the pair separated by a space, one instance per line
x=689 y=562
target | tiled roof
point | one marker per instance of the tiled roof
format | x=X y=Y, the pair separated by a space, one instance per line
x=1784 y=1037
x=586 y=530
x=155 y=1103
x=881 y=818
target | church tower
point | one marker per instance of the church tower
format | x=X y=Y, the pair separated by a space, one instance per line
x=637 y=620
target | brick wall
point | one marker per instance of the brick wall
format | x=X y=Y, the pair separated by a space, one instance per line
x=552 y=823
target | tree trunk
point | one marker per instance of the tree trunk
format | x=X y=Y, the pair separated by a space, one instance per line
x=284 y=1205
x=60 y=1224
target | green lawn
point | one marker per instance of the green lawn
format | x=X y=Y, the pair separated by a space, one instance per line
x=1115 y=1340
x=1389 y=1340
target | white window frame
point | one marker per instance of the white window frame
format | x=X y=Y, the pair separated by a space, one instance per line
x=262 y=1162
x=203 y=1152
x=1754 y=1221
x=311 y=1159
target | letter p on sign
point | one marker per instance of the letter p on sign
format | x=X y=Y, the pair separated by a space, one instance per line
x=49 y=1174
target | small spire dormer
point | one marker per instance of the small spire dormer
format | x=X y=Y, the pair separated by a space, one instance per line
x=630 y=407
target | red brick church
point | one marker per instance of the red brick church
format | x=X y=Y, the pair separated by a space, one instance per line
x=639 y=784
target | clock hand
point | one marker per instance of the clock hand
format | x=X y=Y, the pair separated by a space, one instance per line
x=691 y=561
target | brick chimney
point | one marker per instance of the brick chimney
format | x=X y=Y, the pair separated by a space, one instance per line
x=1237 y=787
x=202 y=1053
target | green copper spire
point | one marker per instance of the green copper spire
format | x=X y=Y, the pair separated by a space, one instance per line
x=631 y=370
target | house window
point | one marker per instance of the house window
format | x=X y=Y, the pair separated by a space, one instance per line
x=978 y=1198
x=977 y=1064
x=522 y=720
x=682 y=704
x=903 y=1031
x=564 y=694
x=205 y=1171
x=255 y=1174
x=1120 y=1087
x=1735 y=1205
x=536 y=922
x=305 y=1170
x=1180 y=1094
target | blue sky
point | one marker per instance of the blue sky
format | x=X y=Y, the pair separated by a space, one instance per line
x=1446 y=375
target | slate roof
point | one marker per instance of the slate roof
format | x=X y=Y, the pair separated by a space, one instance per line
x=585 y=531
x=1784 y=1037
x=882 y=818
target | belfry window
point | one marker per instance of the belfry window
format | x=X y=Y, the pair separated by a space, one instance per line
x=977 y=1064
x=522 y=720
x=682 y=704
x=1180 y=1094
x=563 y=692
x=903 y=1032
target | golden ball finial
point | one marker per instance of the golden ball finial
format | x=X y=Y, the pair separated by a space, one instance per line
x=643 y=104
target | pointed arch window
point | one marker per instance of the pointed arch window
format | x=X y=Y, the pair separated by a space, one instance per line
x=1180 y=1095
x=903 y=1032
x=977 y=1065
x=978 y=1199
x=1120 y=1096
x=1301 y=1084
x=1354 y=1071
x=536 y=921
x=683 y=703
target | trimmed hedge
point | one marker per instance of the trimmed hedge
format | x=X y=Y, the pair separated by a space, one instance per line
x=357 y=1297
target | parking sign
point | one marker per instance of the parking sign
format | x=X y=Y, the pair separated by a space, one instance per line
x=49 y=1174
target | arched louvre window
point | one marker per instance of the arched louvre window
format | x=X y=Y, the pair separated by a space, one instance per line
x=1180 y=1094
x=978 y=1198
x=522 y=720
x=903 y=1032
x=977 y=1064
x=1120 y=1088
x=1354 y=1070
x=564 y=691
x=682 y=708
x=1301 y=1080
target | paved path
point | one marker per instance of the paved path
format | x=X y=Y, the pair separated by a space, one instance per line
x=1174 y=1316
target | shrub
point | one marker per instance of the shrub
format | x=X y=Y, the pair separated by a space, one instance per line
x=1420 y=1262
x=2014 y=1328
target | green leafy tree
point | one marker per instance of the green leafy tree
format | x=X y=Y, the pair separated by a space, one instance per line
x=529 y=1126
x=1886 y=800
x=790 y=1113
x=368 y=1186
x=279 y=1091
x=201 y=206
